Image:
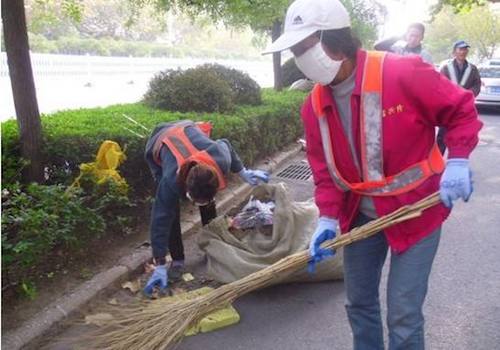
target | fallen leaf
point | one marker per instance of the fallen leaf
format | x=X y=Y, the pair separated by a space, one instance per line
x=187 y=277
x=133 y=286
x=149 y=268
x=177 y=290
x=99 y=320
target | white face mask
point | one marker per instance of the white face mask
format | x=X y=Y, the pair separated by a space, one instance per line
x=317 y=65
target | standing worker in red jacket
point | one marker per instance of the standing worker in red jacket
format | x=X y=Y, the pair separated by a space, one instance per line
x=370 y=132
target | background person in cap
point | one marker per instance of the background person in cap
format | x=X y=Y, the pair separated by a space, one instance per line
x=351 y=160
x=185 y=162
x=409 y=44
x=462 y=73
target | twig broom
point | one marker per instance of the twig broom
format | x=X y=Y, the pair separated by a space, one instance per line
x=161 y=324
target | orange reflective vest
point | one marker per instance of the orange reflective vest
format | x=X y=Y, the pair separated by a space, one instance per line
x=178 y=143
x=374 y=183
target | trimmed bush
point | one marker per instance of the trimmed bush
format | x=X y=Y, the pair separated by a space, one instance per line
x=192 y=90
x=291 y=73
x=246 y=90
x=206 y=88
x=160 y=92
x=73 y=137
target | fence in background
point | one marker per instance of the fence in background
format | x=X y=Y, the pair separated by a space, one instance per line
x=49 y=65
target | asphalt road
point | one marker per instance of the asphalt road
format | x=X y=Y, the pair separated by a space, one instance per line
x=463 y=304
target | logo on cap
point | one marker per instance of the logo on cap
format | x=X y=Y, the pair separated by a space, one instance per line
x=297 y=20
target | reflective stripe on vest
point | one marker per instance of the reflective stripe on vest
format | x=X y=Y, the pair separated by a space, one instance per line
x=371 y=120
x=178 y=143
x=453 y=74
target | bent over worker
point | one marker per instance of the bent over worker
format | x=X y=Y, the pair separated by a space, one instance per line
x=186 y=162
x=370 y=133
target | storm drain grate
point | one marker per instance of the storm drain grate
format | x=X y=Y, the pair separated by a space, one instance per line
x=296 y=171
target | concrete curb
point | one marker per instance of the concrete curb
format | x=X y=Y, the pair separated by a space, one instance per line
x=59 y=310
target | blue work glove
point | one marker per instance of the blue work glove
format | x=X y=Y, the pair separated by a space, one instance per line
x=325 y=230
x=254 y=176
x=158 y=278
x=456 y=181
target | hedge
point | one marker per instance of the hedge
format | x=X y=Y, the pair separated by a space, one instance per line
x=72 y=137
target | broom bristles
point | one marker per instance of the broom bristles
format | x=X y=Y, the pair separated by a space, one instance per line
x=161 y=324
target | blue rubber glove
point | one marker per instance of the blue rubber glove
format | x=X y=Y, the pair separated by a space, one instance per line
x=254 y=176
x=456 y=181
x=158 y=278
x=325 y=230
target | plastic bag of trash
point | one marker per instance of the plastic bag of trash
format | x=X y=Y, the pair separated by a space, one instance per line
x=255 y=214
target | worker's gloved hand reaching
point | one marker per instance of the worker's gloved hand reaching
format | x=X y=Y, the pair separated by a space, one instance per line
x=325 y=230
x=456 y=181
x=158 y=278
x=254 y=176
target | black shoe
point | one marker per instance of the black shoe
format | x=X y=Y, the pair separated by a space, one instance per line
x=175 y=273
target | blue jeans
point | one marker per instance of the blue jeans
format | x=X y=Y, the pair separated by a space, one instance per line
x=406 y=290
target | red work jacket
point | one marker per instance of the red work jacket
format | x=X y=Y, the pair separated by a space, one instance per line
x=416 y=99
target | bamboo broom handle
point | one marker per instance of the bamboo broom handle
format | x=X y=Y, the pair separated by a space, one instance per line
x=298 y=260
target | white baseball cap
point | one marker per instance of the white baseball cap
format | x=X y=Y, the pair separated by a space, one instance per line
x=305 y=17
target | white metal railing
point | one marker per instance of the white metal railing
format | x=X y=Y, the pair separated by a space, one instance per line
x=50 y=65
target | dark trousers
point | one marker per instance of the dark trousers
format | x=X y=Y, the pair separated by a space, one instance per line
x=440 y=139
x=175 y=246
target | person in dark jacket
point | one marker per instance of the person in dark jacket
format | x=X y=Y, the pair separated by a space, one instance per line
x=462 y=73
x=185 y=162
x=409 y=44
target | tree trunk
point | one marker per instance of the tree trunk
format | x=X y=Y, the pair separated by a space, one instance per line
x=23 y=86
x=278 y=78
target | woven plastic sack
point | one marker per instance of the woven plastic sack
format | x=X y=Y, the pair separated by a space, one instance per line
x=231 y=257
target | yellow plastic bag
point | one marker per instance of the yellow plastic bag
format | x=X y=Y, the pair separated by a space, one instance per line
x=108 y=159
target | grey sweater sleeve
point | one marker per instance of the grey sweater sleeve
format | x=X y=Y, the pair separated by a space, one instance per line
x=386 y=44
x=426 y=56
x=236 y=163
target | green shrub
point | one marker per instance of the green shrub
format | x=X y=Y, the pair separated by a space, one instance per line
x=160 y=92
x=74 y=136
x=290 y=72
x=160 y=50
x=196 y=89
x=38 y=219
x=206 y=88
x=38 y=43
x=246 y=90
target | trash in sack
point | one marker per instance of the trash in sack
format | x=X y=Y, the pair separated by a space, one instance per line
x=255 y=214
